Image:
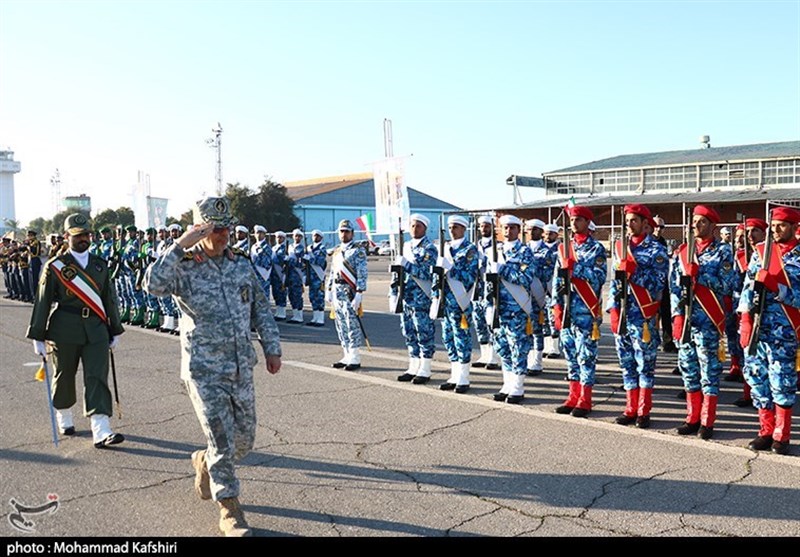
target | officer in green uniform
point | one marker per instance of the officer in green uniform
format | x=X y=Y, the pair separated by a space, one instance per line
x=82 y=327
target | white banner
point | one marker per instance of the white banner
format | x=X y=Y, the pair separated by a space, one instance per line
x=156 y=212
x=391 y=196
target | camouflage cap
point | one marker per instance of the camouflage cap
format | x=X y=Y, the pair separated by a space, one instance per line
x=76 y=223
x=345 y=224
x=214 y=209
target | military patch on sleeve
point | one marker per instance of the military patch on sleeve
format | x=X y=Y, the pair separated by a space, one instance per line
x=726 y=266
x=98 y=267
x=659 y=259
x=600 y=261
x=69 y=272
x=244 y=292
x=523 y=267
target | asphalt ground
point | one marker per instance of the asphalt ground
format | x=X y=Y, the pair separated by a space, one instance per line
x=360 y=455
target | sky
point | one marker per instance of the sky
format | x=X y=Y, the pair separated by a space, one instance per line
x=476 y=91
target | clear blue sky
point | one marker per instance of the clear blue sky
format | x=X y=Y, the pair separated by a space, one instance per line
x=475 y=90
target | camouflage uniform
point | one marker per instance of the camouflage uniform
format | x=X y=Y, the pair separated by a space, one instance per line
x=261 y=256
x=317 y=258
x=278 y=277
x=348 y=280
x=220 y=300
x=489 y=358
x=544 y=264
x=296 y=279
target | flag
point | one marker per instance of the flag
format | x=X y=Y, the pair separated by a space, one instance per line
x=571 y=203
x=366 y=223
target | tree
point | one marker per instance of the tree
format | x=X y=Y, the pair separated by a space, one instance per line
x=107 y=217
x=270 y=206
x=41 y=225
x=125 y=216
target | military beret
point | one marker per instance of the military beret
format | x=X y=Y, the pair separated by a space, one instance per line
x=32 y=232
x=131 y=228
x=297 y=232
x=105 y=229
x=786 y=214
x=707 y=212
x=580 y=211
x=641 y=210
x=280 y=233
x=756 y=223
x=150 y=230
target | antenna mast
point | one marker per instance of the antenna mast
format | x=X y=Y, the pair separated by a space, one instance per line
x=216 y=143
x=55 y=191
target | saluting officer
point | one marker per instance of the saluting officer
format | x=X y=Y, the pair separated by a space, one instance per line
x=489 y=358
x=81 y=328
x=772 y=371
x=646 y=267
x=417 y=259
x=296 y=275
x=278 y=276
x=512 y=340
x=713 y=280
x=317 y=258
x=460 y=263
x=346 y=285
x=584 y=260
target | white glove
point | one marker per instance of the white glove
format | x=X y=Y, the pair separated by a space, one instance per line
x=356 y=301
x=307 y=257
x=114 y=342
x=401 y=260
x=444 y=263
x=494 y=267
x=39 y=348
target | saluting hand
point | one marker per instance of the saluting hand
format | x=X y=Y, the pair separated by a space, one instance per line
x=197 y=233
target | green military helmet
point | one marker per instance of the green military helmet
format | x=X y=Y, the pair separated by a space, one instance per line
x=76 y=223
x=215 y=210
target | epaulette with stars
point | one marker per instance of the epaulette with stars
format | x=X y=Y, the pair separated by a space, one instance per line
x=238 y=251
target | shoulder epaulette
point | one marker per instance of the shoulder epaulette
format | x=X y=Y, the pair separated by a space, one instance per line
x=239 y=251
x=187 y=256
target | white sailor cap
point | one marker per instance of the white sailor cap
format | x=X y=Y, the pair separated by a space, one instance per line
x=297 y=232
x=175 y=226
x=280 y=233
x=240 y=228
x=161 y=227
x=592 y=226
x=258 y=228
x=420 y=218
x=316 y=232
x=551 y=228
x=725 y=230
x=457 y=219
x=485 y=219
x=534 y=223
x=510 y=219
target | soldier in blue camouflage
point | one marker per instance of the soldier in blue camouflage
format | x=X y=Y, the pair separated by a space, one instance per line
x=489 y=358
x=242 y=242
x=278 y=276
x=552 y=341
x=460 y=264
x=165 y=303
x=130 y=263
x=512 y=340
x=147 y=255
x=119 y=275
x=418 y=328
x=261 y=257
x=316 y=258
x=220 y=300
x=346 y=286
x=105 y=246
x=584 y=261
x=296 y=275
x=713 y=279
x=646 y=267
x=544 y=263
x=772 y=371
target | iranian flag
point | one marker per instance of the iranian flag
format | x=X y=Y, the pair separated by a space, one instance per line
x=366 y=223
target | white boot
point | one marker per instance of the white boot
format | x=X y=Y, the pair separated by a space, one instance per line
x=455 y=371
x=101 y=432
x=354 y=357
x=492 y=357
x=413 y=365
x=297 y=316
x=555 y=349
x=424 y=367
x=506 y=388
x=319 y=317
x=175 y=323
x=484 y=359
x=516 y=388
x=535 y=361
x=65 y=423
x=280 y=312
x=548 y=344
x=463 y=374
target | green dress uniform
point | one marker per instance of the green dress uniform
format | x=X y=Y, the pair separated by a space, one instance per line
x=63 y=314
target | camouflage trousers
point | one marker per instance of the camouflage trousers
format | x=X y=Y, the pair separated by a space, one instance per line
x=732 y=335
x=511 y=342
x=771 y=372
x=347 y=327
x=580 y=350
x=457 y=340
x=699 y=361
x=418 y=330
x=479 y=319
x=636 y=357
x=225 y=407
x=316 y=294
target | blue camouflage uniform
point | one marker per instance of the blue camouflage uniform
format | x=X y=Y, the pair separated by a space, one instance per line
x=544 y=264
x=296 y=277
x=418 y=327
x=278 y=276
x=580 y=348
x=482 y=328
x=166 y=303
x=105 y=249
x=457 y=338
x=318 y=260
x=261 y=257
x=732 y=322
x=511 y=340
x=637 y=357
x=771 y=371
x=699 y=359
x=348 y=276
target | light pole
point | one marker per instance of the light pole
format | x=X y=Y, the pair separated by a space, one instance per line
x=216 y=143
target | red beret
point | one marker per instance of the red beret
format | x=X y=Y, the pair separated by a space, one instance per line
x=756 y=223
x=707 y=212
x=740 y=226
x=641 y=210
x=786 y=214
x=580 y=211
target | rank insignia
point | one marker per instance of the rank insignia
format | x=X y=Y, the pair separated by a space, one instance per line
x=98 y=267
x=659 y=259
x=726 y=266
x=69 y=272
x=600 y=261
x=245 y=294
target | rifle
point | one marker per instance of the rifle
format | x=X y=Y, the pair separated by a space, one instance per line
x=687 y=291
x=307 y=263
x=477 y=293
x=622 y=277
x=398 y=276
x=760 y=295
x=438 y=283
x=565 y=275
x=493 y=285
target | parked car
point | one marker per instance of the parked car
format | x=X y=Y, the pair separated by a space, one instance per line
x=384 y=248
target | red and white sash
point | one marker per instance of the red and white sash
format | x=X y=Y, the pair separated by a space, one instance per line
x=77 y=281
